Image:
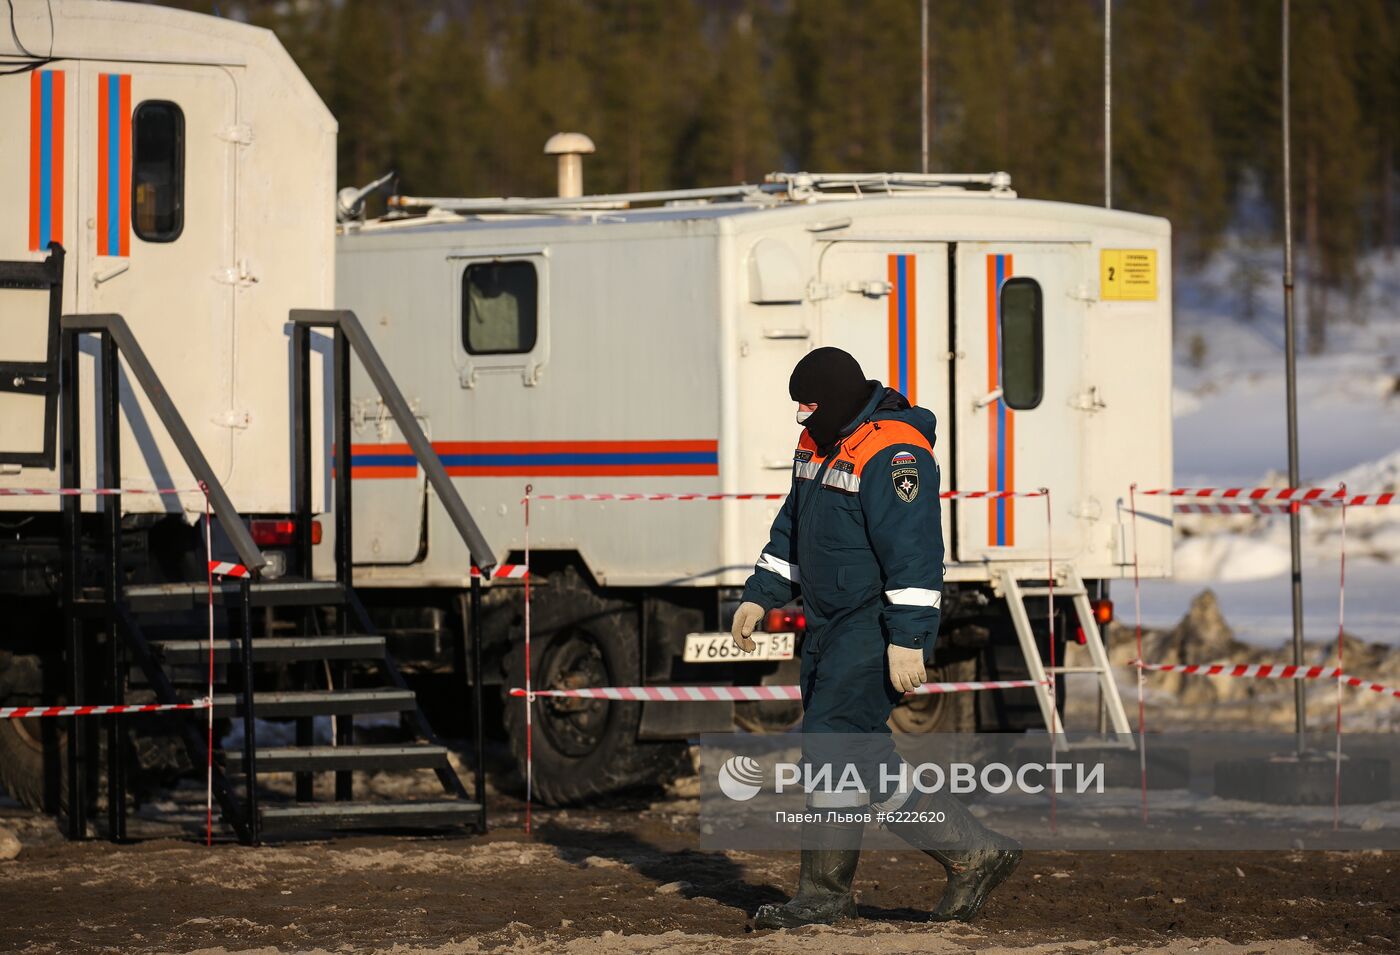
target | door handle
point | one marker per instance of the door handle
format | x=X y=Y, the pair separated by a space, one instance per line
x=107 y=275
x=988 y=398
x=873 y=288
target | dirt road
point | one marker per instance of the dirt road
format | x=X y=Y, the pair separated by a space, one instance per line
x=629 y=878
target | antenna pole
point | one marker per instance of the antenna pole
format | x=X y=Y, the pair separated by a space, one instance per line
x=1108 y=104
x=923 y=113
x=1290 y=347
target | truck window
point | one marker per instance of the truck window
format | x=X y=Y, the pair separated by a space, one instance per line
x=499 y=304
x=1022 y=344
x=158 y=171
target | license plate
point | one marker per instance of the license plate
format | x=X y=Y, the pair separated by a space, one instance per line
x=720 y=648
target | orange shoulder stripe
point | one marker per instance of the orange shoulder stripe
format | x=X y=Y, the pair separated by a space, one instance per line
x=888 y=434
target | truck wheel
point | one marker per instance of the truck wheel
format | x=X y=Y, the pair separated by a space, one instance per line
x=584 y=749
x=940 y=712
x=22 y=741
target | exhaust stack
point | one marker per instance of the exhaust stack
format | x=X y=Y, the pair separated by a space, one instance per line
x=570 y=148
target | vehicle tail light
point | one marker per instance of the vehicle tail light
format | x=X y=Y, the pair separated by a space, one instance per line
x=785 y=621
x=281 y=533
x=1103 y=612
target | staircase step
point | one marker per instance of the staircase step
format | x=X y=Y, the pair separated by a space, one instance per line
x=321 y=759
x=371 y=815
x=267 y=649
x=146 y=598
x=317 y=702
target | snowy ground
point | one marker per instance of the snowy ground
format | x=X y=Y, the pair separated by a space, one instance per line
x=1231 y=430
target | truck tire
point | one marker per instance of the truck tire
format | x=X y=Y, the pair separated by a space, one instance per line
x=583 y=749
x=22 y=742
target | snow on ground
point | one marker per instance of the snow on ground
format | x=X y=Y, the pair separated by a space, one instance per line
x=1229 y=405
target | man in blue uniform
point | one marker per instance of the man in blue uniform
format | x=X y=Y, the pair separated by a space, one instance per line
x=859 y=538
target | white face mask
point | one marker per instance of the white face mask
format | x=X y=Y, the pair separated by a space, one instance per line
x=802 y=416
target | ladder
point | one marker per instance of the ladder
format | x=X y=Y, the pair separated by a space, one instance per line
x=27 y=377
x=1015 y=593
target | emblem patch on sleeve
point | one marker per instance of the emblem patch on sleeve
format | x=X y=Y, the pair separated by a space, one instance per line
x=902 y=457
x=906 y=483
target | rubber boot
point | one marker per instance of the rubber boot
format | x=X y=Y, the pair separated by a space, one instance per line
x=829 y=856
x=976 y=859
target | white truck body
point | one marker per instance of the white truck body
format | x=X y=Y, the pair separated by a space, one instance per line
x=665 y=338
x=209 y=304
x=665 y=335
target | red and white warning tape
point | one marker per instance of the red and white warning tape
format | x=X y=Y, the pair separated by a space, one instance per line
x=504 y=572
x=1270 y=671
x=89 y=491
x=1361 y=684
x=1362 y=500
x=946 y=495
x=1334 y=497
x=29 y=712
x=1262 y=508
x=1257 y=670
x=990 y=495
x=710 y=694
x=223 y=568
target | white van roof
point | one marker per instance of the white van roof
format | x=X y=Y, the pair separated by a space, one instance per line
x=812 y=199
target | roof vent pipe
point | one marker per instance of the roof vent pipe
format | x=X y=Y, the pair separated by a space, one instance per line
x=570 y=148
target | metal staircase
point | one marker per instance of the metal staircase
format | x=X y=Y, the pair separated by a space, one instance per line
x=332 y=664
x=1068 y=584
x=337 y=675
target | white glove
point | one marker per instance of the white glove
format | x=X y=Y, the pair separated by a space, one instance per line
x=906 y=667
x=745 y=619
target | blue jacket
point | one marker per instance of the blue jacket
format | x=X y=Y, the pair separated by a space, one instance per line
x=859 y=537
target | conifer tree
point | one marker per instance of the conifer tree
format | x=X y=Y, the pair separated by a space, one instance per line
x=733 y=138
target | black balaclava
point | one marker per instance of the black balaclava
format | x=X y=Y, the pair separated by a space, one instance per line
x=832 y=380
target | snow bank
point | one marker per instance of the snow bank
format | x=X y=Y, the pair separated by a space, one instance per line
x=1230 y=429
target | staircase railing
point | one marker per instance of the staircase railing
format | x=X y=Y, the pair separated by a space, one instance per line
x=117 y=341
x=349 y=335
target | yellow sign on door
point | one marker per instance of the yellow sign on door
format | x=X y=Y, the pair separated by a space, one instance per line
x=1128 y=275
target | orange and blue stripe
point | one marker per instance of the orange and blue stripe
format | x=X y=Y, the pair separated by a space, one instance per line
x=113 y=164
x=1001 y=437
x=903 y=325
x=544 y=459
x=46 y=119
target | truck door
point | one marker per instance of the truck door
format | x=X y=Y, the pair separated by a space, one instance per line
x=887 y=304
x=156 y=240
x=1019 y=346
x=37 y=208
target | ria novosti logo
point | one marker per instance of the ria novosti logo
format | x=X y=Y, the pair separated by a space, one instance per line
x=740 y=778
